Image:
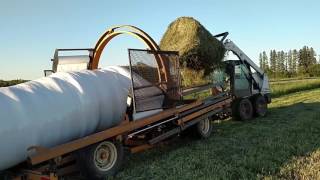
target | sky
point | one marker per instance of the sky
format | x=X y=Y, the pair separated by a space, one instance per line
x=31 y=30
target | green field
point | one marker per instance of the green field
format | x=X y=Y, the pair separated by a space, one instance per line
x=295 y=85
x=283 y=145
x=278 y=88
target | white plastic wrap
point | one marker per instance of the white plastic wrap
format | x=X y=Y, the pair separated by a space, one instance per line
x=71 y=63
x=73 y=59
x=59 y=108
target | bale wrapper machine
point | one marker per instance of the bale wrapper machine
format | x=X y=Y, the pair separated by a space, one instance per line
x=156 y=109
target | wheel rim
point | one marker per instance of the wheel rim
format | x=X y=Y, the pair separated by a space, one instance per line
x=205 y=125
x=105 y=156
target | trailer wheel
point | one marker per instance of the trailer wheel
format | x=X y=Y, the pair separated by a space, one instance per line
x=260 y=106
x=204 y=128
x=6 y=176
x=101 y=160
x=243 y=110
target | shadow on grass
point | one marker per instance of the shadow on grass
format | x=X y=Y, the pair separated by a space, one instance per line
x=237 y=150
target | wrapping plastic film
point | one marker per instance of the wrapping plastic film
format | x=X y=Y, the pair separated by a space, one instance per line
x=73 y=59
x=71 y=63
x=56 y=109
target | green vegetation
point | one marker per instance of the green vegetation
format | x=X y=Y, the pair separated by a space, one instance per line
x=283 y=145
x=11 y=83
x=290 y=86
x=278 y=88
x=191 y=78
x=291 y=79
x=293 y=63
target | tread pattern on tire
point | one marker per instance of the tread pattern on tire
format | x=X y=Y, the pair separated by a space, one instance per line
x=256 y=100
x=237 y=115
x=196 y=131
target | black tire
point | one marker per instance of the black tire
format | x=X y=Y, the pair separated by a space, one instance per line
x=101 y=160
x=203 y=129
x=6 y=176
x=260 y=106
x=242 y=109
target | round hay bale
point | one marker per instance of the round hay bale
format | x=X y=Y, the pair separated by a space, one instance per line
x=198 y=49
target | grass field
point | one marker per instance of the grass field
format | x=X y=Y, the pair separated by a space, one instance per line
x=283 y=145
x=279 y=88
x=283 y=87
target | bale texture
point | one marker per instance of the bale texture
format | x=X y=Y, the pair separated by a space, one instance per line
x=197 y=48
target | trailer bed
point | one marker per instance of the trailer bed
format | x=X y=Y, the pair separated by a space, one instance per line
x=39 y=165
x=182 y=115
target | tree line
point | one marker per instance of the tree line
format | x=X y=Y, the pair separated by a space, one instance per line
x=11 y=83
x=292 y=63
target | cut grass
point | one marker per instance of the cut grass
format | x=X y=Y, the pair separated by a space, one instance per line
x=305 y=167
x=198 y=49
x=284 y=144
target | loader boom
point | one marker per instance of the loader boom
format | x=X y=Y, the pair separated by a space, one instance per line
x=231 y=46
x=258 y=76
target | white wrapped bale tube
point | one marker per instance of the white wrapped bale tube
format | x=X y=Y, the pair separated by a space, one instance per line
x=59 y=108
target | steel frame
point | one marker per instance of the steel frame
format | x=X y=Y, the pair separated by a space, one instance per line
x=182 y=116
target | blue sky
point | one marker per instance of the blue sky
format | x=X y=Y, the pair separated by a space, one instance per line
x=31 y=30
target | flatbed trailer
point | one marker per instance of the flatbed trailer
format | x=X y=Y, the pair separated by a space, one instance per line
x=135 y=136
